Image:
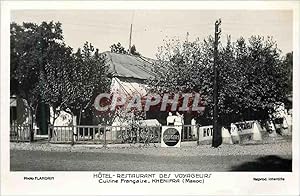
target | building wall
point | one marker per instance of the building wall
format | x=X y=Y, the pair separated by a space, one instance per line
x=128 y=86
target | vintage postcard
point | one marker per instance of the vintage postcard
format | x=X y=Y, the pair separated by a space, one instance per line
x=149 y=98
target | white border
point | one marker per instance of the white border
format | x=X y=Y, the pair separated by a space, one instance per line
x=82 y=183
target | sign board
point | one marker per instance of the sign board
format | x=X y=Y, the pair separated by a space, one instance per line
x=171 y=136
x=244 y=131
x=243 y=127
x=205 y=134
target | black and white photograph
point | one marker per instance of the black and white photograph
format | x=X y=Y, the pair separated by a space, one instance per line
x=185 y=92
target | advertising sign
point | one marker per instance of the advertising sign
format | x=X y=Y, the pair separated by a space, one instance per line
x=244 y=127
x=205 y=134
x=245 y=131
x=171 y=136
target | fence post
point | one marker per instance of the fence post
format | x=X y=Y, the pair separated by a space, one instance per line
x=104 y=135
x=49 y=132
x=198 y=133
x=31 y=133
x=138 y=135
x=18 y=135
x=73 y=135
x=159 y=134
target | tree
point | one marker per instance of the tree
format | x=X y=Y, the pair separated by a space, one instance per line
x=266 y=79
x=55 y=88
x=183 y=68
x=118 y=48
x=44 y=71
x=230 y=75
x=288 y=64
x=31 y=49
x=89 y=76
x=253 y=78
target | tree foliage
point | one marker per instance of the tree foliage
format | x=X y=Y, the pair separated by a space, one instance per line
x=44 y=69
x=288 y=64
x=118 y=48
x=35 y=49
x=252 y=77
x=89 y=78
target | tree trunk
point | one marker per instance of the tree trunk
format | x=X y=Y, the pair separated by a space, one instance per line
x=54 y=114
x=80 y=112
x=31 y=131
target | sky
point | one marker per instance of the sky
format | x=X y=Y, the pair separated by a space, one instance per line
x=103 y=28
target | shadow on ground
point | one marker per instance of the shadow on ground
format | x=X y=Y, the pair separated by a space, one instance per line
x=266 y=163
